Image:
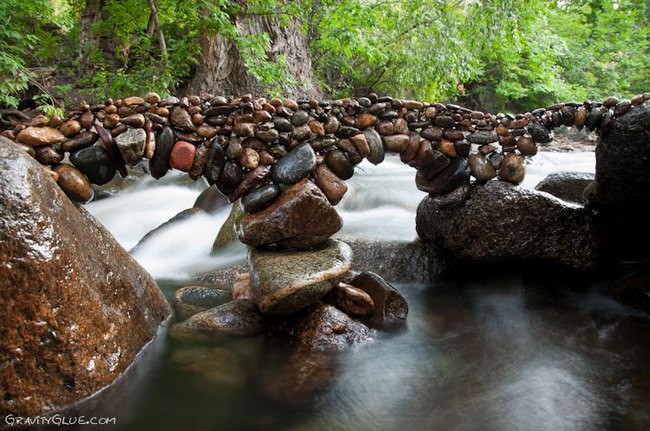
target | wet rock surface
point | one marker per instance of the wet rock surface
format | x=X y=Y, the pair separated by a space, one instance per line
x=76 y=313
x=568 y=186
x=300 y=218
x=190 y=300
x=286 y=282
x=501 y=222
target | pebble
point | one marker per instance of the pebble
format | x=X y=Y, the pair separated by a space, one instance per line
x=351 y=300
x=133 y=101
x=594 y=118
x=131 y=145
x=332 y=186
x=339 y=163
x=483 y=137
x=526 y=146
x=260 y=198
x=136 y=120
x=396 y=143
x=297 y=164
x=447 y=148
x=87 y=120
x=299 y=118
x=73 y=183
x=200 y=160
x=513 y=168
x=250 y=181
x=159 y=164
x=377 y=152
x=364 y=120
x=181 y=119
x=37 y=136
x=390 y=307
x=447 y=180
x=95 y=163
x=231 y=176
x=70 y=128
x=214 y=165
x=539 y=133
x=481 y=167
x=48 y=155
x=182 y=156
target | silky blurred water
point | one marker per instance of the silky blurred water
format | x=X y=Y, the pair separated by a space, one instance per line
x=380 y=204
x=491 y=350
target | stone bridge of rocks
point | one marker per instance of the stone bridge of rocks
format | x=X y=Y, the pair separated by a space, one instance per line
x=288 y=160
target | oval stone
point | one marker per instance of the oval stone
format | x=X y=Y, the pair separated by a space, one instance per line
x=95 y=163
x=159 y=164
x=260 y=197
x=513 y=168
x=526 y=146
x=182 y=156
x=377 y=152
x=82 y=140
x=37 y=136
x=48 y=155
x=230 y=178
x=73 y=183
x=481 y=167
x=339 y=163
x=215 y=163
x=297 y=164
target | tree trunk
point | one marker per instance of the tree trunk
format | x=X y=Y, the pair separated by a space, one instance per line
x=222 y=69
x=154 y=26
x=90 y=39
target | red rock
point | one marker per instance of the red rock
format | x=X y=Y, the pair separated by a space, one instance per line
x=182 y=156
x=75 y=184
x=361 y=121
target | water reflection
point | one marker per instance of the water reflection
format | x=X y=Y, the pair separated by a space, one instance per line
x=492 y=353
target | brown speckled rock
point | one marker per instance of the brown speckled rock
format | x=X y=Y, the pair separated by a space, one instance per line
x=501 y=222
x=301 y=217
x=75 y=313
x=36 y=136
x=285 y=282
x=75 y=184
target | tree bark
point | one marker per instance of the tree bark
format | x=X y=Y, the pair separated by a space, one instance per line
x=91 y=39
x=222 y=69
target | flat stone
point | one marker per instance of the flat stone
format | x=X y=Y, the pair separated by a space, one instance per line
x=190 y=300
x=37 y=136
x=131 y=145
x=482 y=137
x=73 y=183
x=95 y=163
x=286 y=282
x=82 y=140
x=297 y=164
x=234 y=319
x=377 y=152
x=333 y=187
x=301 y=217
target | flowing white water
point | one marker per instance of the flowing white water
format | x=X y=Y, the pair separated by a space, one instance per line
x=380 y=204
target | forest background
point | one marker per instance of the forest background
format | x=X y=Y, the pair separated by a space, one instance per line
x=486 y=54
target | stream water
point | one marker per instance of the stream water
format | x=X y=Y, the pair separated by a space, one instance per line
x=491 y=350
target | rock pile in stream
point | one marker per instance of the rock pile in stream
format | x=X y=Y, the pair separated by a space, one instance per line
x=254 y=148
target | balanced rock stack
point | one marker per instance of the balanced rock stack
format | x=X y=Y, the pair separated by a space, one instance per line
x=254 y=148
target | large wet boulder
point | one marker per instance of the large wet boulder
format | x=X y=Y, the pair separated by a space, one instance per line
x=286 y=282
x=622 y=184
x=301 y=218
x=502 y=222
x=568 y=186
x=76 y=308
